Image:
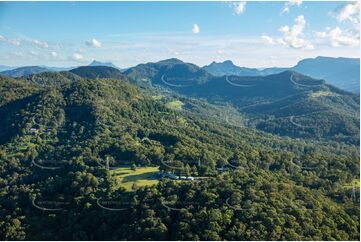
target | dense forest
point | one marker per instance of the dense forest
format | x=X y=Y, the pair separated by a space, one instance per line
x=59 y=132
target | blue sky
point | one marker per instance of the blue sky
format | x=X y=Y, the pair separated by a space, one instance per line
x=254 y=34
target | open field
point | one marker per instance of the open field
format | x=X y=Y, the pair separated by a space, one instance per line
x=355 y=182
x=142 y=176
x=175 y=105
x=320 y=94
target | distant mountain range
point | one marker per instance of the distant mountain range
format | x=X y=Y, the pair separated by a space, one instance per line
x=25 y=71
x=5 y=68
x=340 y=72
x=228 y=68
x=269 y=102
x=31 y=70
x=98 y=63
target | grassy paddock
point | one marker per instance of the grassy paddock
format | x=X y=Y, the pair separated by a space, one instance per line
x=175 y=105
x=142 y=176
x=350 y=185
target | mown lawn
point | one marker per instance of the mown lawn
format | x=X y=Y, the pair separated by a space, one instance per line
x=142 y=176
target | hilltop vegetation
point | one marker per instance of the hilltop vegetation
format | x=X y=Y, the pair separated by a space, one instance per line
x=98 y=72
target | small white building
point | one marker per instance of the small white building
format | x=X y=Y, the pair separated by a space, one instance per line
x=33 y=131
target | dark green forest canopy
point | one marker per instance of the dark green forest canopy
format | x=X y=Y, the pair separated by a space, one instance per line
x=55 y=138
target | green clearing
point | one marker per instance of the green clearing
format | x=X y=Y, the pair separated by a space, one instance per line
x=142 y=176
x=350 y=185
x=157 y=97
x=175 y=105
x=320 y=94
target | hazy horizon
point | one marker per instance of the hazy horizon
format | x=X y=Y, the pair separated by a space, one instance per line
x=155 y=61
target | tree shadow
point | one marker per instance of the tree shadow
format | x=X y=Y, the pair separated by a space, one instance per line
x=143 y=176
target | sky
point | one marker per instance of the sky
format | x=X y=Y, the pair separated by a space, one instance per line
x=251 y=34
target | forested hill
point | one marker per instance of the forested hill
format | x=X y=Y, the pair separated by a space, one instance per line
x=24 y=71
x=161 y=72
x=287 y=103
x=54 y=141
x=341 y=72
x=98 y=72
x=51 y=78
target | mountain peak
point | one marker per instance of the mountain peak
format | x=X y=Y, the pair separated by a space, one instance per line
x=171 y=61
x=99 y=63
x=228 y=62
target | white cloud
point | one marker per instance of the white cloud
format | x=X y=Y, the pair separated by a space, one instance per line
x=337 y=37
x=195 y=29
x=94 y=43
x=14 y=42
x=78 y=57
x=34 y=53
x=18 y=53
x=294 y=37
x=287 y=5
x=350 y=12
x=38 y=43
x=172 y=51
x=267 y=39
x=54 y=54
x=239 y=7
x=17 y=42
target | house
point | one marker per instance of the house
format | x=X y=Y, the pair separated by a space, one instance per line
x=33 y=131
x=222 y=169
x=172 y=176
x=167 y=175
x=146 y=140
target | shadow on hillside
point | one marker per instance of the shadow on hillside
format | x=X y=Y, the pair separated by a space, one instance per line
x=143 y=176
